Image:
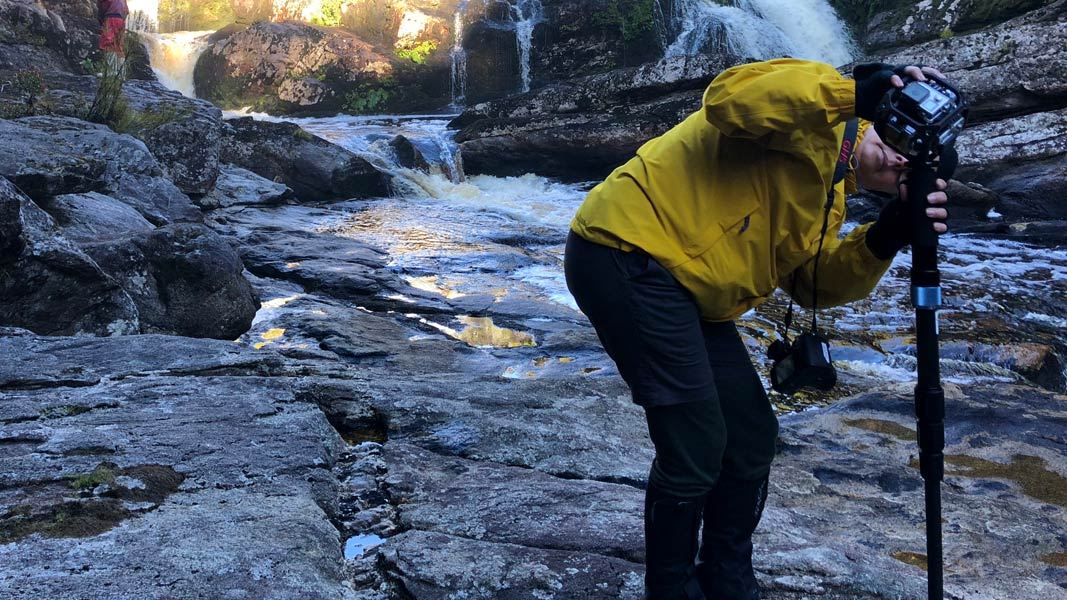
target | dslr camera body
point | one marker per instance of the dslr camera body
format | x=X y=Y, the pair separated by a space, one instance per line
x=923 y=115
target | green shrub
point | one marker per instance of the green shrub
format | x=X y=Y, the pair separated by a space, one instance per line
x=194 y=15
x=368 y=98
x=419 y=52
x=329 y=13
x=630 y=18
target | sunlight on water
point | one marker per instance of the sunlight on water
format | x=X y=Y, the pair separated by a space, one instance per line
x=357 y=546
x=173 y=57
x=432 y=283
x=481 y=332
x=497 y=242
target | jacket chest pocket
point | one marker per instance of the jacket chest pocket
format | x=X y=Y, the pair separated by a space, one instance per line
x=739 y=222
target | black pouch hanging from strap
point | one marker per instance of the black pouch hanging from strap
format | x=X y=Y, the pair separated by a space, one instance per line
x=806 y=362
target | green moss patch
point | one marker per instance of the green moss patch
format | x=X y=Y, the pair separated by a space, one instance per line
x=69 y=519
x=50 y=512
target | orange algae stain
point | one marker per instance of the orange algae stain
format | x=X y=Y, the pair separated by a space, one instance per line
x=881 y=426
x=1031 y=473
x=914 y=559
x=1056 y=559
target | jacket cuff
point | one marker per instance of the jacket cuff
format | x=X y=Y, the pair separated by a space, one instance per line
x=881 y=244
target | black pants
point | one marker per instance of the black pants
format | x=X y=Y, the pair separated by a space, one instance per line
x=706 y=408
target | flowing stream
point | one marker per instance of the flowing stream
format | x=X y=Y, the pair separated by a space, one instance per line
x=501 y=239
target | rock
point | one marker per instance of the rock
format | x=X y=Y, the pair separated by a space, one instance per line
x=290 y=67
x=584 y=128
x=288 y=243
x=1025 y=190
x=914 y=21
x=315 y=169
x=32 y=37
x=579 y=38
x=50 y=286
x=1020 y=159
x=92 y=217
x=117 y=484
x=1013 y=68
x=52 y=156
x=184 y=279
x=430 y=565
x=853 y=464
x=182 y=133
x=479 y=500
x=427 y=156
x=240 y=187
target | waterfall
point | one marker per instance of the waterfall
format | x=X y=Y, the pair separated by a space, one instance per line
x=173 y=57
x=144 y=15
x=812 y=25
x=459 y=58
x=757 y=29
x=529 y=14
x=524 y=16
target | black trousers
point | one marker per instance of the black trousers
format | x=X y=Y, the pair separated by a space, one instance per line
x=706 y=408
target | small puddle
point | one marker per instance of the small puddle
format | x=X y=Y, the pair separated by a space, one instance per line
x=1056 y=559
x=432 y=283
x=358 y=545
x=881 y=426
x=914 y=559
x=1031 y=473
x=269 y=336
x=481 y=332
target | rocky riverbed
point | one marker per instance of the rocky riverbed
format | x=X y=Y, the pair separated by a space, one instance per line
x=335 y=358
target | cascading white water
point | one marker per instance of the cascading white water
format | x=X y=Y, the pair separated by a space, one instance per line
x=812 y=25
x=703 y=24
x=525 y=14
x=758 y=29
x=459 y=58
x=173 y=57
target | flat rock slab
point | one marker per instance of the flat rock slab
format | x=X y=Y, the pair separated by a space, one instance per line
x=847 y=476
x=491 y=502
x=128 y=470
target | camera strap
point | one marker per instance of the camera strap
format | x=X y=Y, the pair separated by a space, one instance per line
x=848 y=146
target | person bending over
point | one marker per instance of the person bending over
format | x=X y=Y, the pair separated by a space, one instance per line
x=703 y=224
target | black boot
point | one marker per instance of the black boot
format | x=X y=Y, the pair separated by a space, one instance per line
x=731 y=513
x=671 y=528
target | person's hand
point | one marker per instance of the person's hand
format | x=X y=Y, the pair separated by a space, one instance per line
x=892 y=230
x=938 y=199
x=873 y=80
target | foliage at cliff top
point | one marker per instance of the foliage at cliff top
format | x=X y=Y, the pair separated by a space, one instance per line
x=194 y=15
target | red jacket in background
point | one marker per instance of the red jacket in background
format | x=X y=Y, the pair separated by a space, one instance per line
x=111 y=8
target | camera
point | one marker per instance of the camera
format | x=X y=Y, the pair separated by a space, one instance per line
x=804 y=363
x=922 y=115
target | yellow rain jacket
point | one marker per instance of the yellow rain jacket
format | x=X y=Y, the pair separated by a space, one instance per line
x=731 y=200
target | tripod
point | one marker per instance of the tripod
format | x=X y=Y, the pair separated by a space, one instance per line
x=929 y=395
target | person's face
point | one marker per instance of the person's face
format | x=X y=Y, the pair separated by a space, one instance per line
x=880 y=166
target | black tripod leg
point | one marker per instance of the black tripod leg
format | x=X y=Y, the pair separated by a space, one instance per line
x=929 y=395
